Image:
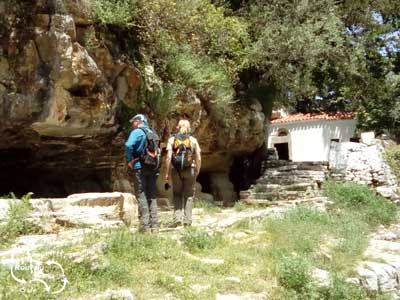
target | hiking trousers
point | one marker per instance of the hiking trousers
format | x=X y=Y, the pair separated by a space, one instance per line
x=183 y=187
x=144 y=182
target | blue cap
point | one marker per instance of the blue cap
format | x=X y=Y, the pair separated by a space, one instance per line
x=139 y=117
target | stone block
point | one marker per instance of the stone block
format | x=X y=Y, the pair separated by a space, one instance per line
x=368 y=138
x=386 y=275
x=368 y=279
x=65 y=24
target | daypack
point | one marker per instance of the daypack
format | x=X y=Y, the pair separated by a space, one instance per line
x=182 y=152
x=151 y=156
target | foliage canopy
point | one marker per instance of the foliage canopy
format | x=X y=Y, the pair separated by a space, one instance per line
x=307 y=55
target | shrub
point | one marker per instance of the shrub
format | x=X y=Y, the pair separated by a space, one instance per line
x=197 y=50
x=294 y=273
x=393 y=158
x=202 y=74
x=360 y=199
x=197 y=239
x=113 y=12
x=17 y=223
x=341 y=290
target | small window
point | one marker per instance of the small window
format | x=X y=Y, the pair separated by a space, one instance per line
x=282 y=132
x=355 y=139
x=335 y=140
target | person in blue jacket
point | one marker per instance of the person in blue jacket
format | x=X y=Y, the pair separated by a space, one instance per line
x=144 y=179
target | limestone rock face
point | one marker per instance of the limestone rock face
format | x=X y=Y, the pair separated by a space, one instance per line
x=63 y=88
x=80 y=11
x=80 y=210
x=382 y=270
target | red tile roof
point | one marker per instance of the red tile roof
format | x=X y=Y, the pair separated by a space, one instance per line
x=315 y=116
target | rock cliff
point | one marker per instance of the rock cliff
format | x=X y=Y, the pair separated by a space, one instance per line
x=66 y=91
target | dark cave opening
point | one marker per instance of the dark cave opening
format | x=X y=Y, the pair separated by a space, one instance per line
x=51 y=183
x=205 y=181
x=21 y=173
x=246 y=169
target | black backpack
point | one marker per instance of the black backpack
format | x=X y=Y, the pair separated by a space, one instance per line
x=182 y=152
x=151 y=156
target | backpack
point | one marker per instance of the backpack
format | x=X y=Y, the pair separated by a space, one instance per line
x=151 y=156
x=182 y=152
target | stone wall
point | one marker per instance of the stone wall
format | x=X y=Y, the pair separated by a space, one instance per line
x=363 y=164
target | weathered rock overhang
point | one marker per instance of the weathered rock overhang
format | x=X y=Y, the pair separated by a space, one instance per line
x=62 y=95
x=57 y=166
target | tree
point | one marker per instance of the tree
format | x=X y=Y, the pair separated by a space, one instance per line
x=327 y=56
x=309 y=55
x=194 y=46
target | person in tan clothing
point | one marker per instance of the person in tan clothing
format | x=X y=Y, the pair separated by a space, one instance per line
x=184 y=155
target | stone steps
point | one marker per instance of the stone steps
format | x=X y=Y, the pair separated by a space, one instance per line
x=302 y=165
x=300 y=173
x=299 y=186
x=263 y=202
x=286 y=181
x=281 y=195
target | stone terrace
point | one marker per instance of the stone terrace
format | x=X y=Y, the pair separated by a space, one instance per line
x=284 y=180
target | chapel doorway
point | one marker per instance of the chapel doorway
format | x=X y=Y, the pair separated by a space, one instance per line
x=283 y=150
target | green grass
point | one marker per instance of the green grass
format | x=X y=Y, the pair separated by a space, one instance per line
x=300 y=238
x=392 y=156
x=362 y=201
x=299 y=231
x=240 y=206
x=245 y=224
x=274 y=258
x=208 y=207
x=197 y=239
x=9 y=290
x=17 y=223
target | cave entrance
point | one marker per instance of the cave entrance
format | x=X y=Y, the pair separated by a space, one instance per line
x=52 y=183
x=239 y=174
x=205 y=181
x=21 y=173
x=247 y=168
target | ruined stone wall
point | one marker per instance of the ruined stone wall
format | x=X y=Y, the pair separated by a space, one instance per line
x=363 y=164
